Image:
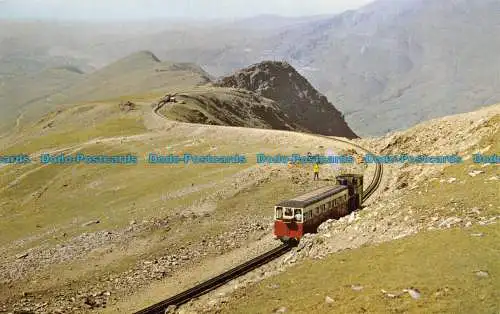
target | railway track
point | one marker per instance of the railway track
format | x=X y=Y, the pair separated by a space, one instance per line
x=254 y=263
x=215 y=282
x=377 y=177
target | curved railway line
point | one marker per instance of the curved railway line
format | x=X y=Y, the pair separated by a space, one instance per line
x=215 y=282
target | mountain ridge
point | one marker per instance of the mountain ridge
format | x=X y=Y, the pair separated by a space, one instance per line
x=280 y=82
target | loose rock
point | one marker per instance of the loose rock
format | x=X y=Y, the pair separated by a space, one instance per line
x=23 y=255
x=414 y=293
x=477 y=234
x=391 y=295
x=482 y=274
x=475 y=173
x=89 y=223
x=357 y=287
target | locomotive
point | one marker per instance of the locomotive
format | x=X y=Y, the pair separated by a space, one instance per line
x=303 y=214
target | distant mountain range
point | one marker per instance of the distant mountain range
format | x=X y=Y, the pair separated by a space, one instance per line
x=387 y=66
x=390 y=64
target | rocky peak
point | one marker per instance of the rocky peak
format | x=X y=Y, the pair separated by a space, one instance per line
x=280 y=82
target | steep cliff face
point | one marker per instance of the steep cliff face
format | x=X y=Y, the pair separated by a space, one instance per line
x=304 y=105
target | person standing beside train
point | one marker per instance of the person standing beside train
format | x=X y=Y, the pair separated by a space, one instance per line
x=316 y=171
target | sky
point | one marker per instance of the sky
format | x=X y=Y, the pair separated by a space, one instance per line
x=151 y=9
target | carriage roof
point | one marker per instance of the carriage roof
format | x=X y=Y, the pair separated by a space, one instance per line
x=312 y=197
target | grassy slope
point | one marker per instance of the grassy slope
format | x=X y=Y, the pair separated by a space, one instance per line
x=47 y=202
x=138 y=73
x=36 y=91
x=441 y=264
x=40 y=196
x=141 y=72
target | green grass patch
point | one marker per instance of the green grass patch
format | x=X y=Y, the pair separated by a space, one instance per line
x=259 y=200
x=137 y=97
x=187 y=113
x=123 y=126
x=441 y=264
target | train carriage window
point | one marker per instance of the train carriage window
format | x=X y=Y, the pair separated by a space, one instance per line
x=317 y=210
x=279 y=212
x=288 y=212
x=323 y=208
x=298 y=214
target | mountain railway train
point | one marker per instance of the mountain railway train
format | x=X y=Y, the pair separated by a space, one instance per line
x=303 y=214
